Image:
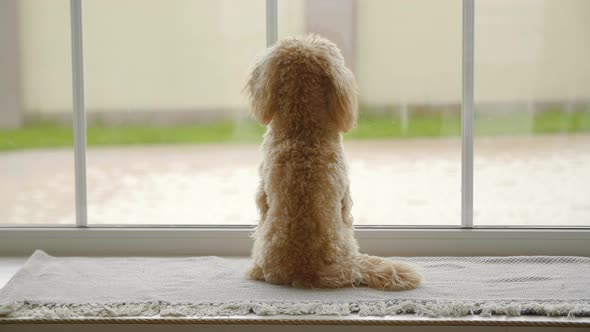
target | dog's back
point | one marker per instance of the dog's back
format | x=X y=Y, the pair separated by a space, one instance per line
x=304 y=183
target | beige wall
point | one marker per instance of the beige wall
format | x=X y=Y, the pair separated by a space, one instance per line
x=45 y=55
x=191 y=54
x=10 y=94
x=526 y=50
x=409 y=51
x=539 y=50
x=143 y=54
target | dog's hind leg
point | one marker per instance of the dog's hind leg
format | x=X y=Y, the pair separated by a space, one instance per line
x=255 y=273
x=339 y=275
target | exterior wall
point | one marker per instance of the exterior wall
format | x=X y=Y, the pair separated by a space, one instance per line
x=142 y=55
x=526 y=50
x=409 y=51
x=10 y=99
x=536 y=51
x=188 y=55
x=335 y=20
x=46 y=84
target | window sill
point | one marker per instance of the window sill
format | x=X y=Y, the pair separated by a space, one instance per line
x=10 y=265
x=236 y=241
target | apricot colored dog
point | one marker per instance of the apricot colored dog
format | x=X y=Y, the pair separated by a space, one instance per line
x=301 y=89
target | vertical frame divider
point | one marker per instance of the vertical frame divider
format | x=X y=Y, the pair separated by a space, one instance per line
x=271 y=22
x=467 y=115
x=79 y=116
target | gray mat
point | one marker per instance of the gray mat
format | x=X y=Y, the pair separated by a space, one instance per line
x=52 y=287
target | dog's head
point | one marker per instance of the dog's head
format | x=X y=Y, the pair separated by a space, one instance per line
x=293 y=70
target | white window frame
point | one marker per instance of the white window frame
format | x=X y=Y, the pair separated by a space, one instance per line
x=235 y=240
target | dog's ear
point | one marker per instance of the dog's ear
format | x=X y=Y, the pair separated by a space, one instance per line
x=260 y=85
x=344 y=94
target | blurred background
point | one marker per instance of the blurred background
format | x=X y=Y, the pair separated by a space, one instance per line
x=171 y=142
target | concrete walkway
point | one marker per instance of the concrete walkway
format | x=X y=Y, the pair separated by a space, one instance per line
x=537 y=180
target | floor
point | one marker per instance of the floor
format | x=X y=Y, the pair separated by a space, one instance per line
x=528 y=180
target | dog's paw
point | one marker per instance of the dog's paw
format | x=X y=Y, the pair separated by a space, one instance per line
x=255 y=273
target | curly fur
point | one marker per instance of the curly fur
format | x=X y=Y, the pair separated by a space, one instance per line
x=302 y=90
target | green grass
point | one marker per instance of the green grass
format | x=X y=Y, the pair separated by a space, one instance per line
x=46 y=135
x=419 y=124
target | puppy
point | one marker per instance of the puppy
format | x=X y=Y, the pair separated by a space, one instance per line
x=301 y=89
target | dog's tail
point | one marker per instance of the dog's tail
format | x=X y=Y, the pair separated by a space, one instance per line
x=370 y=271
x=380 y=273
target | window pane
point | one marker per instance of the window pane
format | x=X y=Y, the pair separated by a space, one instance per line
x=36 y=156
x=532 y=79
x=170 y=138
x=404 y=155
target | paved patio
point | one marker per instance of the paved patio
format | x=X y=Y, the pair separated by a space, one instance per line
x=536 y=180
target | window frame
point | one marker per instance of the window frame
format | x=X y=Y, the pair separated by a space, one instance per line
x=465 y=239
x=236 y=241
